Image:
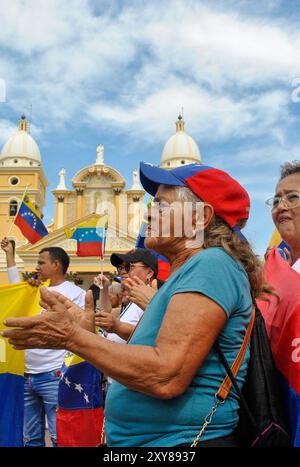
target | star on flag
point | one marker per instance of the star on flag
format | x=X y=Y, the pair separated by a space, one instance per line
x=30 y=214
x=77 y=387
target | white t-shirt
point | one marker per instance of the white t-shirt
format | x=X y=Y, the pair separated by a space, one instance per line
x=44 y=360
x=131 y=314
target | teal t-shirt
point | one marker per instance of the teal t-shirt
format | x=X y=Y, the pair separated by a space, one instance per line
x=135 y=419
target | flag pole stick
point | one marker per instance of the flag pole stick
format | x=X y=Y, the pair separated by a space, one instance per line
x=12 y=223
x=102 y=265
x=101 y=270
x=103 y=249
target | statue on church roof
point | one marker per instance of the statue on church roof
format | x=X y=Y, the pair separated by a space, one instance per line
x=136 y=181
x=62 y=182
x=100 y=154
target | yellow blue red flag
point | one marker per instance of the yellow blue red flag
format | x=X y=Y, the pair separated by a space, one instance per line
x=89 y=236
x=79 y=417
x=29 y=221
x=276 y=241
x=16 y=300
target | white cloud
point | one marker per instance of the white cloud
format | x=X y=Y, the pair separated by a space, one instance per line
x=34 y=26
x=7 y=128
x=222 y=47
x=133 y=68
x=209 y=116
x=259 y=157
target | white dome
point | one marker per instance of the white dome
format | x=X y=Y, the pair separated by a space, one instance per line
x=20 y=149
x=180 y=149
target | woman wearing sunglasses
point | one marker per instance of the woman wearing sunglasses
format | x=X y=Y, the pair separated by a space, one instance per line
x=136 y=265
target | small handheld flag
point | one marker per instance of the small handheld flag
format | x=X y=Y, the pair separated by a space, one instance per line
x=29 y=221
x=280 y=244
x=88 y=236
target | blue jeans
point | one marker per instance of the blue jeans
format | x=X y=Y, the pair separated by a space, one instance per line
x=40 y=398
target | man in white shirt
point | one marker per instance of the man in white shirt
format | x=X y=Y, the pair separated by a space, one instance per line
x=42 y=366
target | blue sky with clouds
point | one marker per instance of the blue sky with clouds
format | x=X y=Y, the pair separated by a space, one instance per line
x=118 y=73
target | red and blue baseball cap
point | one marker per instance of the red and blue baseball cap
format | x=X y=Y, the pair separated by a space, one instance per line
x=229 y=199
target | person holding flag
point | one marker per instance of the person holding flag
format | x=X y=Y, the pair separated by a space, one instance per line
x=282 y=313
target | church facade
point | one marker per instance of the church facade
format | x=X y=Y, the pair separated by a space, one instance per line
x=95 y=189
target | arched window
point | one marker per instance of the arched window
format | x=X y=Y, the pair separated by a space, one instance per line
x=13 y=207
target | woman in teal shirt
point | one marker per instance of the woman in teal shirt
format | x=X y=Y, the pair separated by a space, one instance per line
x=167 y=376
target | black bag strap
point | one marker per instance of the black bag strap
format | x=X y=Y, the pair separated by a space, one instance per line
x=236 y=387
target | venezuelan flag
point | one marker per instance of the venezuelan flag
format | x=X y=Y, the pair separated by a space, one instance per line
x=282 y=318
x=277 y=241
x=79 y=418
x=29 y=222
x=16 y=300
x=89 y=237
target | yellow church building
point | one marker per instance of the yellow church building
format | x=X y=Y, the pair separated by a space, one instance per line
x=96 y=188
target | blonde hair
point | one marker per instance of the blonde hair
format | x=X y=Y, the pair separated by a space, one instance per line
x=219 y=234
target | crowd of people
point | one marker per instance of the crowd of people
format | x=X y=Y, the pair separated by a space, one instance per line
x=153 y=342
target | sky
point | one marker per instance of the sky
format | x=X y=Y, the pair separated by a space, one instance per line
x=119 y=72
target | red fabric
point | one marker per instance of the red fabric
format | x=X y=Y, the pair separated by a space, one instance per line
x=283 y=318
x=89 y=249
x=26 y=230
x=79 y=428
x=163 y=270
x=230 y=200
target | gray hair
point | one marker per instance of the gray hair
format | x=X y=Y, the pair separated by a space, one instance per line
x=115 y=289
x=185 y=194
x=289 y=168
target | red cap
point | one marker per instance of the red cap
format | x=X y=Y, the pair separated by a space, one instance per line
x=230 y=200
